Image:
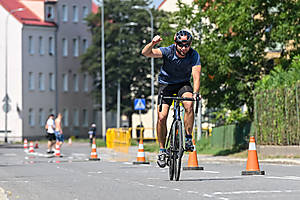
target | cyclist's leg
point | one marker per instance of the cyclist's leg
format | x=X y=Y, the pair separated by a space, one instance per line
x=162 y=133
x=161 y=126
x=187 y=91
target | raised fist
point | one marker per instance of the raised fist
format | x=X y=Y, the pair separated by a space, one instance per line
x=156 y=39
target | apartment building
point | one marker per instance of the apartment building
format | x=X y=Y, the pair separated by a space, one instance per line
x=40 y=45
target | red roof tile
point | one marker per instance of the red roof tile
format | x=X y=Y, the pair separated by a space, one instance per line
x=26 y=16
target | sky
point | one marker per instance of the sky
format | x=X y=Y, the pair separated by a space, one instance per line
x=157 y=2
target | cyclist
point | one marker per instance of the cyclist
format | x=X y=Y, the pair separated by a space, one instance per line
x=180 y=61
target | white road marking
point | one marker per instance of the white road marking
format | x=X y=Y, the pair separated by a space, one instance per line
x=223 y=198
x=162 y=187
x=285 y=177
x=211 y=172
x=194 y=192
x=153 y=178
x=176 y=189
x=150 y=185
x=99 y=172
x=250 y=192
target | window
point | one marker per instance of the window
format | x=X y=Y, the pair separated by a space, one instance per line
x=31 y=45
x=85 y=117
x=41 y=82
x=75 y=47
x=65 y=119
x=31 y=81
x=49 y=12
x=85 y=45
x=76 y=117
x=85 y=83
x=64 y=13
x=51 y=82
x=51 y=46
x=85 y=13
x=51 y=111
x=42 y=120
x=31 y=117
x=75 y=14
x=65 y=82
x=41 y=46
x=75 y=83
x=65 y=47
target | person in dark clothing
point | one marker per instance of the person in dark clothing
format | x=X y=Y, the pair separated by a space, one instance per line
x=92 y=133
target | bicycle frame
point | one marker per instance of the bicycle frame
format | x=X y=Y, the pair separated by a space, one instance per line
x=175 y=137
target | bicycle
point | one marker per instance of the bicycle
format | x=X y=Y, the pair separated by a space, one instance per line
x=174 y=143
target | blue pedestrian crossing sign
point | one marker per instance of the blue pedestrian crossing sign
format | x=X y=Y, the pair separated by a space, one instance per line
x=139 y=104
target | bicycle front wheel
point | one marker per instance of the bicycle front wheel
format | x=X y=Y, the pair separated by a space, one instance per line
x=178 y=149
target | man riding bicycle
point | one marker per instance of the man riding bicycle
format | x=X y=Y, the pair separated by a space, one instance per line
x=179 y=62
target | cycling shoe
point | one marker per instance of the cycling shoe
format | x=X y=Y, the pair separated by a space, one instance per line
x=161 y=161
x=189 y=145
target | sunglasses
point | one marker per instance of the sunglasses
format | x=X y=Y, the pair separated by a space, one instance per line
x=184 y=45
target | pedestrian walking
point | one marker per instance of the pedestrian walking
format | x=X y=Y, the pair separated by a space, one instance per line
x=50 y=127
x=58 y=129
x=92 y=132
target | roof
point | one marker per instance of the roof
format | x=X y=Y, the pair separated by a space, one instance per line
x=26 y=16
x=95 y=6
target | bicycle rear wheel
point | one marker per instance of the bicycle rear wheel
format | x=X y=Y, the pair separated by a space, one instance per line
x=178 y=144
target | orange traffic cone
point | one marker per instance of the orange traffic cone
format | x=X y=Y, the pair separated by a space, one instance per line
x=140 y=159
x=70 y=141
x=94 y=151
x=25 y=145
x=193 y=161
x=31 y=150
x=252 y=162
x=36 y=144
x=57 y=149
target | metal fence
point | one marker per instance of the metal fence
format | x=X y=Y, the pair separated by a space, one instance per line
x=276 y=116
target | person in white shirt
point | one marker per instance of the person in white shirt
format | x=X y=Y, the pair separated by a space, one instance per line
x=50 y=127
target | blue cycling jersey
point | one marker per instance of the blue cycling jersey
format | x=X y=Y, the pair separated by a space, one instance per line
x=174 y=69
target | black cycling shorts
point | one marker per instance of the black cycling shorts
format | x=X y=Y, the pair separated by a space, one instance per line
x=50 y=136
x=169 y=90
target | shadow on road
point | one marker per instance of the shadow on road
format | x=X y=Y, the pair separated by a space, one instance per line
x=213 y=179
x=11 y=146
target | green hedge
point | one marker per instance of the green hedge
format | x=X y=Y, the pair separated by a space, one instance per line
x=276 y=104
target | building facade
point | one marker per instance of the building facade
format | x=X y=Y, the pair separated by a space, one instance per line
x=40 y=46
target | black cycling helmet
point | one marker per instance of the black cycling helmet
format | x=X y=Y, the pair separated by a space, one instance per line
x=178 y=37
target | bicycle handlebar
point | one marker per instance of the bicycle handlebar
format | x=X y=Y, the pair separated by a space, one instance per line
x=179 y=99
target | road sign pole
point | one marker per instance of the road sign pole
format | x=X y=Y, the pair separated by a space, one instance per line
x=140 y=113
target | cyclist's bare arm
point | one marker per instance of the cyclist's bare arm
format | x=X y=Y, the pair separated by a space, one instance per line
x=148 y=50
x=196 y=71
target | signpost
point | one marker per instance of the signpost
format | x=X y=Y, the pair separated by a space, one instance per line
x=140 y=104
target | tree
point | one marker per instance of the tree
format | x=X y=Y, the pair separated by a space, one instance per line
x=233 y=37
x=126 y=32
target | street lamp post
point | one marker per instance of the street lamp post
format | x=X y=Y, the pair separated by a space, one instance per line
x=103 y=73
x=152 y=66
x=6 y=98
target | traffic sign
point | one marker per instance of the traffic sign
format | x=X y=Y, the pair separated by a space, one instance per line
x=139 y=104
x=6 y=107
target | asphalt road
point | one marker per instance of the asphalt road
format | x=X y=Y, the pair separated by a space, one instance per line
x=39 y=176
